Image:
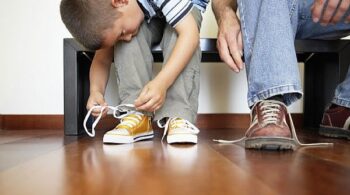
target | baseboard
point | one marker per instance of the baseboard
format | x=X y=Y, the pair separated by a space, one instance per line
x=55 y=122
x=0 y=122
x=31 y=122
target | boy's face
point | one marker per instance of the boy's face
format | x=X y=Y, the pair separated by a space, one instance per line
x=125 y=26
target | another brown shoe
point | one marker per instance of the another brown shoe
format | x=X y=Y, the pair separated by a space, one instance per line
x=269 y=128
x=336 y=122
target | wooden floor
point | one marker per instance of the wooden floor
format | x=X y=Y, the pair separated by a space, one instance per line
x=46 y=162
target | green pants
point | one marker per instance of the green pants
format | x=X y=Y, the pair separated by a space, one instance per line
x=134 y=64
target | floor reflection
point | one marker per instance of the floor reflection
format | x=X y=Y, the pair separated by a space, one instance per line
x=181 y=158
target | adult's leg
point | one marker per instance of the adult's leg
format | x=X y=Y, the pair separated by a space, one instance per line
x=342 y=92
x=307 y=29
x=268 y=28
x=182 y=97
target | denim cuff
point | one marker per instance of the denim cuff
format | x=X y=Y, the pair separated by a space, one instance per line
x=291 y=93
x=341 y=102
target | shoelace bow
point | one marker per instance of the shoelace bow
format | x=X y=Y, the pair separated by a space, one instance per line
x=128 y=108
x=177 y=123
x=270 y=116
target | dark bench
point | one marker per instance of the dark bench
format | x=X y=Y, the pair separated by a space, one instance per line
x=326 y=64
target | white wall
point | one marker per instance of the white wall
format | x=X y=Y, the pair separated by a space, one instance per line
x=31 y=73
x=31 y=53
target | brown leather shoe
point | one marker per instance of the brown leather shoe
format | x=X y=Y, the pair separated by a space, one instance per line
x=269 y=128
x=336 y=122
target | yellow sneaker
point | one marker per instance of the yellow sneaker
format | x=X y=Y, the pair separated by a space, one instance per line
x=133 y=127
x=179 y=130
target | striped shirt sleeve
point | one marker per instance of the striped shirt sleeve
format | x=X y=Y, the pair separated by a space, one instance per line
x=174 y=10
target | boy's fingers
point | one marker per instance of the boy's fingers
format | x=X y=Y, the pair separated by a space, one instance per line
x=142 y=97
x=152 y=109
x=105 y=112
x=97 y=111
x=147 y=106
x=155 y=106
x=158 y=107
x=142 y=100
x=95 y=114
x=101 y=102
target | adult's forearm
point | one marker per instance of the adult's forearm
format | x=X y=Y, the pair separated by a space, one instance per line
x=221 y=6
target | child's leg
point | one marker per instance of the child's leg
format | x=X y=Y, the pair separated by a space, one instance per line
x=134 y=61
x=182 y=96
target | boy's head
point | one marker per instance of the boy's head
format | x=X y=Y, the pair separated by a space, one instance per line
x=100 y=23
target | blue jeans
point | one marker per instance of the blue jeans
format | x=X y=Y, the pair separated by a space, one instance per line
x=269 y=28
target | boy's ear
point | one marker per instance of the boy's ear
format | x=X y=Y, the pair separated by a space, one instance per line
x=119 y=3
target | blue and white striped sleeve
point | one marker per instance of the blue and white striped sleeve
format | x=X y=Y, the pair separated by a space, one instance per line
x=174 y=10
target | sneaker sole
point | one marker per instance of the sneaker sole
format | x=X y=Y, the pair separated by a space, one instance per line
x=334 y=132
x=122 y=139
x=182 y=138
x=269 y=143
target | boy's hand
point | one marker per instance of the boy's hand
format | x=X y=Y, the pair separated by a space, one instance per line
x=151 y=97
x=96 y=98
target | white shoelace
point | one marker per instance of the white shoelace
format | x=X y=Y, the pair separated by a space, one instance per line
x=269 y=112
x=128 y=108
x=182 y=123
x=347 y=123
x=270 y=116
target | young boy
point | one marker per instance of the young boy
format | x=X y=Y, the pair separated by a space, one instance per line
x=126 y=30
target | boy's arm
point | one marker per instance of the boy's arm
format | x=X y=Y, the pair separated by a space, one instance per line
x=229 y=42
x=153 y=94
x=99 y=74
x=185 y=46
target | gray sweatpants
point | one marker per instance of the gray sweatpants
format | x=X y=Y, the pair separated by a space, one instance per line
x=134 y=64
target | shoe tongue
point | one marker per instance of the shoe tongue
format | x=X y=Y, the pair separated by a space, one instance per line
x=134 y=113
x=138 y=113
x=178 y=119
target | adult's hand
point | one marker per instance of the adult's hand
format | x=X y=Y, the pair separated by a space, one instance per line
x=333 y=11
x=229 y=41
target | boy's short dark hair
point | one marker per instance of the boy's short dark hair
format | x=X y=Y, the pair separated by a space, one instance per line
x=87 y=19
